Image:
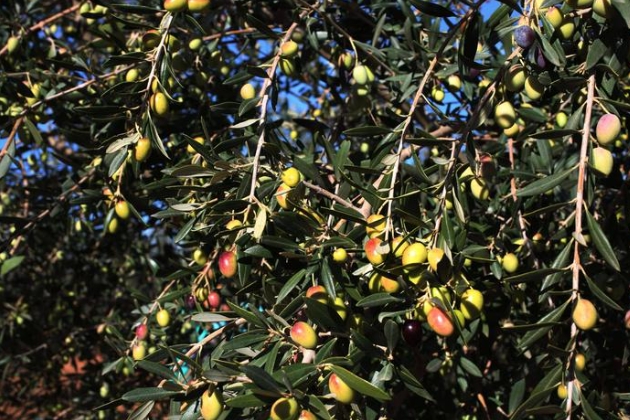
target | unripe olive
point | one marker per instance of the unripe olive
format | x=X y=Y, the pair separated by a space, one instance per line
x=195 y=44
x=376 y=224
x=360 y=74
x=579 y=4
x=604 y=8
x=562 y=391
x=198 y=5
x=602 y=161
x=199 y=256
x=434 y=257
x=471 y=304
x=510 y=263
x=122 y=209
x=248 y=91
x=139 y=351
x=554 y=17
x=142 y=149
x=340 y=255
x=608 y=129
x=12 y=43
x=561 y=119
x=533 y=88
x=454 y=82
x=284 y=409
x=566 y=29
x=340 y=390
x=289 y=49
x=504 y=114
x=515 y=78
x=580 y=362
x=197 y=139
x=112 y=227
x=399 y=244
x=211 y=404
x=584 y=314
x=287 y=66
x=340 y=307
x=372 y=253
x=346 y=60
x=291 y=176
x=479 y=189
x=413 y=255
x=159 y=104
x=304 y=335
x=163 y=318
x=175 y=6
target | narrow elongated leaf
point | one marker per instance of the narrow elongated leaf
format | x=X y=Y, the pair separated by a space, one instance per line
x=6 y=160
x=601 y=295
x=470 y=367
x=141 y=412
x=432 y=9
x=290 y=285
x=261 y=378
x=601 y=241
x=367 y=131
x=248 y=400
x=589 y=412
x=210 y=317
x=544 y=184
x=545 y=387
x=532 y=336
x=533 y=275
x=10 y=264
x=516 y=395
x=157 y=369
x=412 y=383
x=359 y=384
x=377 y=299
x=149 y=394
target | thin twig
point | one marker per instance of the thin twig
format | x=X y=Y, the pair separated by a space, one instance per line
x=43 y=23
x=319 y=190
x=414 y=104
x=271 y=72
x=579 y=207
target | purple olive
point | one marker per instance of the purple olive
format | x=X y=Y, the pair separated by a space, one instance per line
x=524 y=36
x=190 y=301
x=412 y=331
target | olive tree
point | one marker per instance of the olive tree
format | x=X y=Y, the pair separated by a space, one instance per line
x=283 y=208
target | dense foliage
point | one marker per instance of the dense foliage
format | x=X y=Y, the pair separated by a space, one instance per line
x=283 y=208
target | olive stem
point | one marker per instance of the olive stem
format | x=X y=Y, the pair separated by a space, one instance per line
x=579 y=207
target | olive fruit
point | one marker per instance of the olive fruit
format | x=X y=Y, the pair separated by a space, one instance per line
x=340 y=390
x=304 y=335
x=412 y=331
x=440 y=322
x=585 y=314
x=211 y=404
x=228 y=264
x=284 y=409
x=608 y=129
x=163 y=318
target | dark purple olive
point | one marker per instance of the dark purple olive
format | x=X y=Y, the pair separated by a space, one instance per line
x=524 y=36
x=412 y=331
x=190 y=301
